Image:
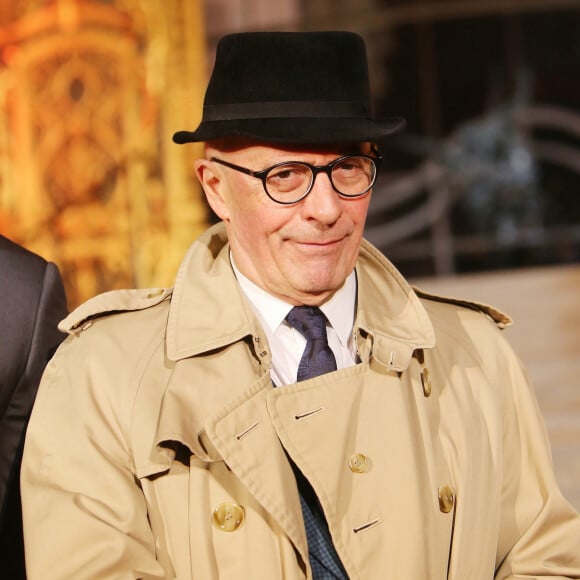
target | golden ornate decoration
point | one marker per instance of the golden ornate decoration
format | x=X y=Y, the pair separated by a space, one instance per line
x=90 y=94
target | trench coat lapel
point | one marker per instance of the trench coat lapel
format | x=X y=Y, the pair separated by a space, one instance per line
x=248 y=442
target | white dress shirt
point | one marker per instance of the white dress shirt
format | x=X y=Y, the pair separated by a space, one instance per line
x=286 y=343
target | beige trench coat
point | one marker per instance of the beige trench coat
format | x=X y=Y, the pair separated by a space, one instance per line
x=157 y=443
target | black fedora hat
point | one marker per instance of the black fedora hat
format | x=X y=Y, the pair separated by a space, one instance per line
x=290 y=87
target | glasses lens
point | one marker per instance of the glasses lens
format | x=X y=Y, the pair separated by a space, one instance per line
x=353 y=176
x=288 y=182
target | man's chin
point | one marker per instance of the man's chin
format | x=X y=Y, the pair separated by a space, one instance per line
x=313 y=289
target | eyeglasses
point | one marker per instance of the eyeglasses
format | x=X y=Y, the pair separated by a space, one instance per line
x=291 y=181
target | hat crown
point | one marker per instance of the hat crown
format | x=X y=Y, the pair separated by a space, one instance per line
x=286 y=67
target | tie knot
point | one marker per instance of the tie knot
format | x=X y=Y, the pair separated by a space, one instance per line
x=309 y=321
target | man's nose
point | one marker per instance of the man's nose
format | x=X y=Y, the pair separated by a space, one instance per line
x=323 y=202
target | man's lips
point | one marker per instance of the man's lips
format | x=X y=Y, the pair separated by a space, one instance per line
x=318 y=247
x=318 y=242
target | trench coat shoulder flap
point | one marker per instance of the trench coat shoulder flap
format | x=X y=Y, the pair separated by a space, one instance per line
x=112 y=302
x=501 y=319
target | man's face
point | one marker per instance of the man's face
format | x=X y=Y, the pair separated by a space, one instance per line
x=301 y=253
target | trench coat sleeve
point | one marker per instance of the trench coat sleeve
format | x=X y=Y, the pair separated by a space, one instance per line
x=34 y=303
x=84 y=512
x=539 y=530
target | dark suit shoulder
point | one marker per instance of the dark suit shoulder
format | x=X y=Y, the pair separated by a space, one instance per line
x=18 y=251
x=33 y=303
x=20 y=267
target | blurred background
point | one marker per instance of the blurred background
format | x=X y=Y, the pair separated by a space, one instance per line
x=479 y=198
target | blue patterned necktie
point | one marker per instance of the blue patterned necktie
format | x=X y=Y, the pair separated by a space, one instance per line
x=317 y=359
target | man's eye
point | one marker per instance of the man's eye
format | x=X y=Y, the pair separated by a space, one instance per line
x=288 y=178
x=350 y=165
x=282 y=174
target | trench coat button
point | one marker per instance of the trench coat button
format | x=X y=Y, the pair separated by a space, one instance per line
x=359 y=463
x=228 y=516
x=426 y=382
x=446 y=499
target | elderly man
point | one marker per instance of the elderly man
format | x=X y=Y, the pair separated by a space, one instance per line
x=292 y=408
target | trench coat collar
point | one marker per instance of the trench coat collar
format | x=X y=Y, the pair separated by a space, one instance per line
x=389 y=312
x=208 y=310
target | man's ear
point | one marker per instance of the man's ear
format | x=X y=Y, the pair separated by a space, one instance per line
x=213 y=185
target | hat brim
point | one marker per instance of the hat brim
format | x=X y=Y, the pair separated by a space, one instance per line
x=295 y=130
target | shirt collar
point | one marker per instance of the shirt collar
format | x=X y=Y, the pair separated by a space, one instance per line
x=272 y=311
x=340 y=309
